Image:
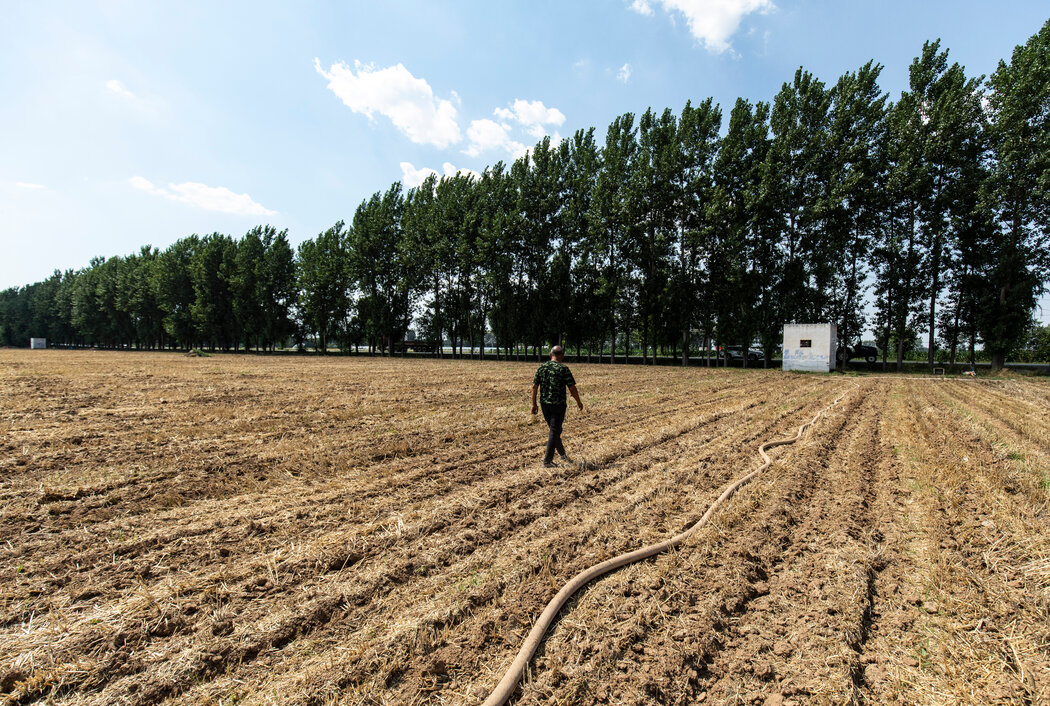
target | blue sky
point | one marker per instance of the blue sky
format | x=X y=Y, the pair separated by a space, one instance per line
x=127 y=123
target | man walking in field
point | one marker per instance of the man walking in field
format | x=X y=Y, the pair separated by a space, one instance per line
x=550 y=381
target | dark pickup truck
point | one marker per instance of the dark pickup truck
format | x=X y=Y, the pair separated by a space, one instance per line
x=868 y=353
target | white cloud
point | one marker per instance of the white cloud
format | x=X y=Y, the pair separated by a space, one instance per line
x=712 y=22
x=452 y=170
x=412 y=177
x=119 y=88
x=209 y=198
x=624 y=74
x=642 y=7
x=534 y=118
x=485 y=135
x=28 y=185
x=144 y=184
x=531 y=113
x=407 y=101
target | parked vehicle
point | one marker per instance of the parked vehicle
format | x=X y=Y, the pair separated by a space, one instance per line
x=735 y=354
x=868 y=353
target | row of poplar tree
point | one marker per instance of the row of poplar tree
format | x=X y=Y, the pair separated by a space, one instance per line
x=925 y=216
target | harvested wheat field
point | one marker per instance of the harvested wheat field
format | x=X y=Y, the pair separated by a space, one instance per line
x=254 y=530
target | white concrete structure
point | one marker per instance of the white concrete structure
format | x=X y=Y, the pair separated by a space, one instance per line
x=37 y=343
x=810 y=347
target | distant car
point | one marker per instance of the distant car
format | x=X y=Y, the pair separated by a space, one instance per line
x=868 y=353
x=735 y=354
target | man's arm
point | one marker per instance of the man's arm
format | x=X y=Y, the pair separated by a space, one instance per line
x=535 y=388
x=575 y=395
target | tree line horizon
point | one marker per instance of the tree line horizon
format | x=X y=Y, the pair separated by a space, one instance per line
x=934 y=208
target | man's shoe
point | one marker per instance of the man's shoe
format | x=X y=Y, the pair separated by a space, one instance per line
x=549 y=464
x=566 y=459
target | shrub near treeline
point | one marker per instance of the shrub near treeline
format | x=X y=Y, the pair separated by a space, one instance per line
x=933 y=208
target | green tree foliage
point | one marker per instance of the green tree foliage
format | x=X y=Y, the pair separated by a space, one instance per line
x=689 y=301
x=324 y=281
x=1015 y=258
x=382 y=265
x=826 y=204
x=611 y=228
x=172 y=286
x=213 y=273
x=737 y=253
x=857 y=132
x=798 y=182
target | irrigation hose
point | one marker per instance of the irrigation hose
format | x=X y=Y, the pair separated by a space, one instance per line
x=513 y=675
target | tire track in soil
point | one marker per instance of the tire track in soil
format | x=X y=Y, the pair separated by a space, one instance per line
x=970 y=626
x=346 y=675
x=693 y=625
x=313 y=614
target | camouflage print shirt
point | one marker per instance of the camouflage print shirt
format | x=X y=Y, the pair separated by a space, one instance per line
x=553 y=378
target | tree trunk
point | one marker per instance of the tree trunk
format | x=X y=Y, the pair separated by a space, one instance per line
x=955 y=332
x=645 y=340
x=933 y=306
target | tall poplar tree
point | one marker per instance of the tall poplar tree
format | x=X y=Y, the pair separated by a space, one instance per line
x=1016 y=258
x=856 y=198
x=612 y=224
x=324 y=283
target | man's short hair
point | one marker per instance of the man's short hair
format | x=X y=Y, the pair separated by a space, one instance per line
x=557 y=350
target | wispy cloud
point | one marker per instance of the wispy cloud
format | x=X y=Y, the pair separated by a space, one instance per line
x=119 y=88
x=394 y=92
x=209 y=198
x=624 y=74
x=642 y=7
x=711 y=22
x=29 y=185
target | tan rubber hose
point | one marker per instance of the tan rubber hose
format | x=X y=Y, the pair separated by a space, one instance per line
x=510 y=680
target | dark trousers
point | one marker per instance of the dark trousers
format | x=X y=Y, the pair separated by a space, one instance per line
x=554 y=414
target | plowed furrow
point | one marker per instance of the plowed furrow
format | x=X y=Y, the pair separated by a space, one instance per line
x=361 y=595
x=960 y=613
x=671 y=632
x=400 y=490
x=561 y=543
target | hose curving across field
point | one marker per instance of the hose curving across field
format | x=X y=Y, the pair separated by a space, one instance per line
x=513 y=675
